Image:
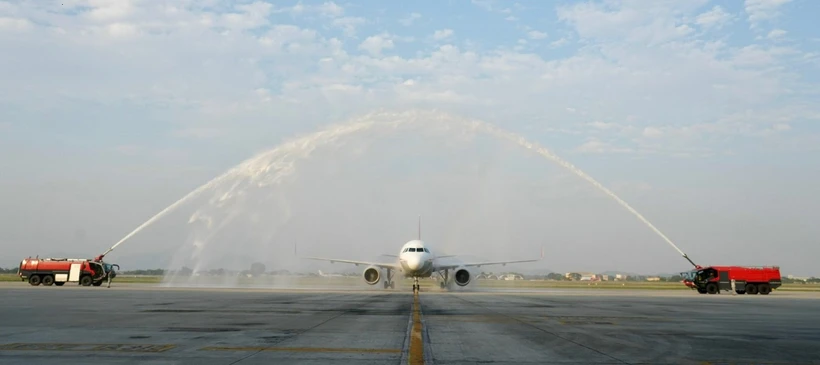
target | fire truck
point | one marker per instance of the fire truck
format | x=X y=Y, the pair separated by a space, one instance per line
x=58 y=271
x=747 y=280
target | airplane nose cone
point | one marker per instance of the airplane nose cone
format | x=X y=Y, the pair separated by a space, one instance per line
x=414 y=263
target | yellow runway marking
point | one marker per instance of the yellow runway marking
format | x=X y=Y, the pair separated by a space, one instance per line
x=85 y=347
x=301 y=349
x=416 y=343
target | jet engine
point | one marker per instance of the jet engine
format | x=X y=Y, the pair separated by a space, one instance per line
x=461 y=276
x=372 y=275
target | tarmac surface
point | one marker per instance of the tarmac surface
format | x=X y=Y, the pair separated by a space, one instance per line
x=146 y=324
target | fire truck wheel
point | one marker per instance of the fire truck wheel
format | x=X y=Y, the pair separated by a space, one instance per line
x=711 y=288
x=764 y=289
x=751 y=289
x=48 y=280
x=34 y=280
x=85 y=281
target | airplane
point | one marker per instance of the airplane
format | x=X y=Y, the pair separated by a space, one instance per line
x=416 y=260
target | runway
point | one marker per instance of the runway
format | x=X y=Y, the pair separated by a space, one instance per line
x=142 y=324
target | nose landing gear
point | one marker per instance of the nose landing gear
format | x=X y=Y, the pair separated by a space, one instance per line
x=416 y=286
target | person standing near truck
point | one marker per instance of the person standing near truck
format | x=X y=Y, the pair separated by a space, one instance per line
x=109 y=272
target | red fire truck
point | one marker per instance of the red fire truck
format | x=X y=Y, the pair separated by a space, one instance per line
x=58 y=271
x=747 y=280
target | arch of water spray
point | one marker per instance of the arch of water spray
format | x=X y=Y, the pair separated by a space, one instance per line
x=274 y=166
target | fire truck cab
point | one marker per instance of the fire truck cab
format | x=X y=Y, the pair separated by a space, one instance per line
x=747 y=280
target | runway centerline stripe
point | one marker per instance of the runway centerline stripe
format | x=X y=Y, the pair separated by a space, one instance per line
x=416 y=355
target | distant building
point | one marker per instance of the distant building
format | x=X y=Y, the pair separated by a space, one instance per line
x=588 y=276
x=653 y=278
x=510 y=277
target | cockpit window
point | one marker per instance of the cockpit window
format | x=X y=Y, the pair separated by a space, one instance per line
x=426 y=250
x=412 y=249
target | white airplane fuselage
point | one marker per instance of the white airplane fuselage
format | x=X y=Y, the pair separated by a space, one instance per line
x=416 y=260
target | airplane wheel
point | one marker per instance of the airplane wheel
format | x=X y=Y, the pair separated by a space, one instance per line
x=441 y=284
x=392 y=285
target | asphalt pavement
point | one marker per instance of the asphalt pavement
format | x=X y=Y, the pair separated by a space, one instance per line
x=144 y=324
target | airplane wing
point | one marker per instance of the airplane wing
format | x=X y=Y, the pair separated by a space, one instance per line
x=479 y=264
x=382 y=265
x=357 y=263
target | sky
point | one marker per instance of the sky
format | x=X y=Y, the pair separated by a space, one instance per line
x=700 y=114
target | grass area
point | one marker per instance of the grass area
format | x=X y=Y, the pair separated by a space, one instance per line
x=350 y=281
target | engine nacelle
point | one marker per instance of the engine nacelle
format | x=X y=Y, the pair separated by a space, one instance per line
x=372 y=275
x=462 y=276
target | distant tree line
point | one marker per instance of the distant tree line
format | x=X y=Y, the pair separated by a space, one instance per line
x=8 y=271
x=150 y=272
x=798 y=281
x=577 y=276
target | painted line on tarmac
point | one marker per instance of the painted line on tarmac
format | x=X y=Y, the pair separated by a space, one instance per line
x=85 y=347
x=416 y=355
x=302 y=349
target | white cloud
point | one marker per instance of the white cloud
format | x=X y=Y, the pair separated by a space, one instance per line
x=714 y=18
x=106 y=11
x=601 y=125
x=559 y=43
x=652 y=23
x=781 y=127
x=534 y=34
x=443 y=34
x=652 y=132
x=595 y=145
x=762 y=10
x=619 y=86
x=327 y=9
x=14 y=24
x=484 y=4
x=330 y=9
x=776 y=33
x=375 y=44
x=122 y=30
x=349 y=24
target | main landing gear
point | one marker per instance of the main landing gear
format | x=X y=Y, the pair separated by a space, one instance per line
x=389 y=283
x=443 y=284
